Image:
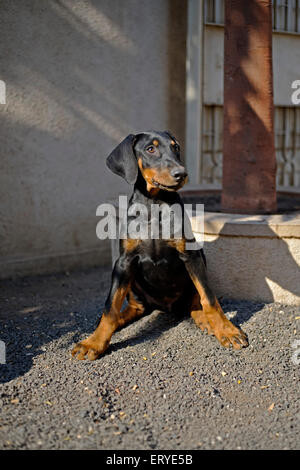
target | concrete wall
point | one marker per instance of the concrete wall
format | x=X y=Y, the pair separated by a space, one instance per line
x=79 y=77
x=253 y=257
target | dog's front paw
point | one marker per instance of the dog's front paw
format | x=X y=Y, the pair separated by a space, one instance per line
x=88 y=347
x=231 y=335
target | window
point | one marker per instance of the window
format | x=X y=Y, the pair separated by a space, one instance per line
x=287 y=145
x=286 y=14
x=214 y=12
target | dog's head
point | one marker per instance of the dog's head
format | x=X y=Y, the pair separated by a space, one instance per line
x=156 y=155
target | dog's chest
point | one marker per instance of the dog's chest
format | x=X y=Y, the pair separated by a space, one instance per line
x=161 y=266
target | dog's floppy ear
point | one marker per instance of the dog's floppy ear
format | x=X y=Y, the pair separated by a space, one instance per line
x=171 y=136
x=122 y=160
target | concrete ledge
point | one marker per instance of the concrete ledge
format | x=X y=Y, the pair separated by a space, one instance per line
x=253 y=257
x=269 y=226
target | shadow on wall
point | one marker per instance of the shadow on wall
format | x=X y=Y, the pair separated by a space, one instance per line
x=80 y=76
x=87 y=63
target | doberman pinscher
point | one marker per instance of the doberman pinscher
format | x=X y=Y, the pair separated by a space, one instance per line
x=156 y=273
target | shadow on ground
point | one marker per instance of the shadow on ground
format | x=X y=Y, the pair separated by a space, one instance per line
x=37 y=311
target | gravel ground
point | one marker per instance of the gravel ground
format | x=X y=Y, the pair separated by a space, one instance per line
x=163 y=384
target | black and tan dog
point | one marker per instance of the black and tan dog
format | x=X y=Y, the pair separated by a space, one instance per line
x=156 y=273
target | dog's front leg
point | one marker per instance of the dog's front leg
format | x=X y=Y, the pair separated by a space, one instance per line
x=111 y=318
x=206 y=310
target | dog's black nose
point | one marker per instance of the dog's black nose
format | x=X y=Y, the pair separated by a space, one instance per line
x=179 y=173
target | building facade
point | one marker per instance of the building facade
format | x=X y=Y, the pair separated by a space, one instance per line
x=205 y=91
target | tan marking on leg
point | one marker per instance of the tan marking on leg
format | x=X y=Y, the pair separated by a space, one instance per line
x=98 y=341
x=118 y=299
x=212 y=318
x=133 y=310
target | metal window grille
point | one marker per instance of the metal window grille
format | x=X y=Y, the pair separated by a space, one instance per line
x=287 y=146
x=212 y=143
x=285 y=14
x=214 y=12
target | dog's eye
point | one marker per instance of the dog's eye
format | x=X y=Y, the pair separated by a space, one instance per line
x=150 y=149
x=176 y=148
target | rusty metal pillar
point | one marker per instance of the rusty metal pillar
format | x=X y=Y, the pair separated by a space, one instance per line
x=249 y=161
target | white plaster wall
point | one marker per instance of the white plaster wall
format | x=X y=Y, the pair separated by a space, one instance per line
x=79 y=77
